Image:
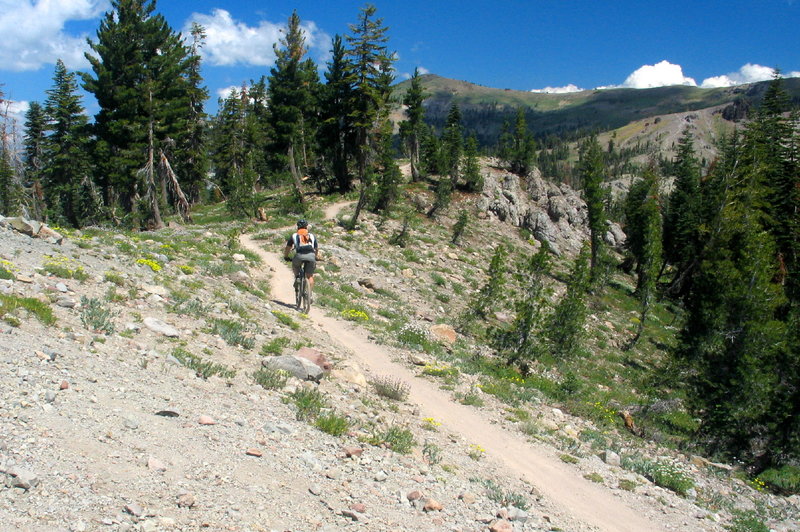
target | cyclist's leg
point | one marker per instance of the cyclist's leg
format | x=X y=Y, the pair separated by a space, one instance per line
x=311 y=267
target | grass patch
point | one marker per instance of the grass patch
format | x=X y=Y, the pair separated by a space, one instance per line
x=271 y=379
x=95 y=317
x=285 y=319
x=309 y=402
x=275 y=346
x=232 y=332
x=202 y=368
x=332 y=424
x=664 y=474
x=398 y=439
x=390 y=388
x=9 y=304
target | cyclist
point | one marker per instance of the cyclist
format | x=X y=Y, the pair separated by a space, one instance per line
x=306 y=250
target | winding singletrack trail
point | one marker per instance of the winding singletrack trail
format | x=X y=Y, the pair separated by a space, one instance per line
x=574 y=497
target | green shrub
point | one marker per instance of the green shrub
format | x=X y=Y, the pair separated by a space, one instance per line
x=594 y=477
x=10 y=303
x=202 y=368
x=309 y=403
x=62 y=267
x=332 y=424
x=285 y=319
x=568 y=459
x=95 y=317
x=271 y=379
x=627 y=485
x=432 y=453
x=398 y=439
x=496 y=493
x=390 y=388
x=664 y=474
x=784 y=480
x=470 y=399
x=232 y=332
x=747 y=522
x=275 y=346
x=114 y=278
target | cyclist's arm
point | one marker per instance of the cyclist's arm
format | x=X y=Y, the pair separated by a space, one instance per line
x=288 y=248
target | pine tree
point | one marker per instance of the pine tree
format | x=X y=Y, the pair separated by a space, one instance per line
x=644 y=226
x=141 y=80
x=387 y=175
x=491 y=294
x=193 y=152
x=34 y=146
x=66 y=149
x=565 y=328
x=9 y=189
x=233 y=156
x=453 y=144
x=412 y=129
x=517 y=146
x=683 y=220
x=292 y=94
x=336 y=132
x=370 y=63
x=459 y=227
x=592 y=172
x=523 y=342
x=473 y=180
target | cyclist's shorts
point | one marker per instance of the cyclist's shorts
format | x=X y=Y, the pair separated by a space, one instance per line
x=311 y=263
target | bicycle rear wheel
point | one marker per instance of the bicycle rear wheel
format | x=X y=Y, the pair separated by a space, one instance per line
x=299 y=288
x=306 y=295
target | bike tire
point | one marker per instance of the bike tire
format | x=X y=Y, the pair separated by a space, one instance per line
x=306 y=296
x=299 y=288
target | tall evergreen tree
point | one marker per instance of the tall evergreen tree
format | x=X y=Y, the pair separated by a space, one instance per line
x=193 y=152
x=293 y=90
x=683 y=220
x=413 y=128
x=644 y=229
x=473 y=180
x=592 y=172
x=141 y=71
x=517 y=145
x=565 y=326
x=233 y=156
x=66 y=149
x=370 y=62
x=453 y=144
x=336 y=132
x=524 y=342
x=490 y=295
x=34 y=146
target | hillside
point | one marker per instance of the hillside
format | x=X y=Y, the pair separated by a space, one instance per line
x=138 y=395
x=484 y=109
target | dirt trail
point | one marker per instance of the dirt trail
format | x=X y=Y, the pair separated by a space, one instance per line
x=575 y=496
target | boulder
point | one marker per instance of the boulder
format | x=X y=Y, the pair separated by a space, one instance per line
x=315 y=356
x=298 y=367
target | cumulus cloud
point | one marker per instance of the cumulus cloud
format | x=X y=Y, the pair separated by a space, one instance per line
x=14 y=110
x=33 y=32
x=749 y=73
x=559 y=90
x=661 y=74
x=230 y=42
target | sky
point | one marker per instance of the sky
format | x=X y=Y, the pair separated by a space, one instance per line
x=527 y=45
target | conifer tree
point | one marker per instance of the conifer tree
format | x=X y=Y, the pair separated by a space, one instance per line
x=387 y=174
x=683 y=220
x=565 y=328
x=336 y=132
x=459 y=227
x=412 y=129
x=66 y=149
x=233 y=158
x=592 y=172
x=517 y=146
x=453 y=144
x=292 y=94
x=9 y=188
x=140 y=78
x=193 y=152
x=490 y=295
x=370 y=63
x=34 y=146
x=523 y=342
x=644 y=226
x=473 y=180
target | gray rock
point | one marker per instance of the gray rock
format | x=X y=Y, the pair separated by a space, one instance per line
x=66 y=302
x=298 y=367
x=22 y=478
x=160 y=327
x=611 y=458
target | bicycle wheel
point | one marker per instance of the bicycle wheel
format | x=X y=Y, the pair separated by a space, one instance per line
x=299 y=288
x=306 y=295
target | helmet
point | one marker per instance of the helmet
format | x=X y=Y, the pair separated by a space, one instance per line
x=302 y=224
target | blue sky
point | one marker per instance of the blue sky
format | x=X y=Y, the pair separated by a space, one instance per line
x=552 y=45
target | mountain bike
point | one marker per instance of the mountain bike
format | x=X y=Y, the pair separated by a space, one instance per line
x=302 y=290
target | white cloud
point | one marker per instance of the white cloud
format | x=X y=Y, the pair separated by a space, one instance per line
x=225 y=92
x=559 y=90
x=15 y=110
x=749 y=73
x=230 y=42
x=33 y=32
x=659 y=75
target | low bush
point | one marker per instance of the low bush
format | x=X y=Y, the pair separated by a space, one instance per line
x=390 y=388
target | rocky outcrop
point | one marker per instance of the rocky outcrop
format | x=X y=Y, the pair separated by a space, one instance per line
x=553 y=213
x=32 y=228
